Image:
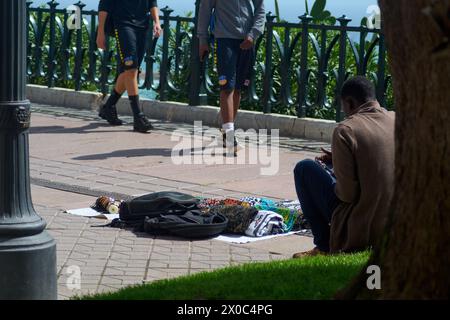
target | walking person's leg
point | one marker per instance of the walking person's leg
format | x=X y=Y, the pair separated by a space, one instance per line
x=227 y=105
x=141 y=123
x=244 y=70
x=120 y=84
x=236 y=102
x=131 y=48
x=108 y=111
x=315 y=190
x=124 y=49
x=227 y=59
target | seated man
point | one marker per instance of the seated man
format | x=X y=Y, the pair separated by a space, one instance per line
x=345 y=194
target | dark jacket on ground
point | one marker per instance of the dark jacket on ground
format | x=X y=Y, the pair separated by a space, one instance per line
x=363 y=161
x=133 y=13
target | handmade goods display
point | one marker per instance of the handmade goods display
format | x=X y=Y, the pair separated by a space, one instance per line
x=187 y=216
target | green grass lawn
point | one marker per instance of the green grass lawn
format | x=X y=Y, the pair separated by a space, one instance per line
x=310 y=278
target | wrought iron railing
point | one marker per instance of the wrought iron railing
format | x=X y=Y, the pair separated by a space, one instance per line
x=298 y=70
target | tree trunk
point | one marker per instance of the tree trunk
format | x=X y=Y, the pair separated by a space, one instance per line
x=414 y=256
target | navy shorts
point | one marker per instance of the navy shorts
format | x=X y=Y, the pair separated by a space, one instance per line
x=131 y=46
x=234 y=65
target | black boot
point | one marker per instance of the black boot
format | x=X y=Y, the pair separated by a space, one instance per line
x=110 y=115
x=108 y=111
x=142 y=124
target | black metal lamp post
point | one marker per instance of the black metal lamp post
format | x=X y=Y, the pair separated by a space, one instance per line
x=27 y=252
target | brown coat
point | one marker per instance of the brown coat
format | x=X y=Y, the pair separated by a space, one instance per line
x=363 y=161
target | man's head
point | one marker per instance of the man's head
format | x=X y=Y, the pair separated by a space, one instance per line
x=355 y=92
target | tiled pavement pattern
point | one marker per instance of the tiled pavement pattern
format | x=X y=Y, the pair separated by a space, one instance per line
x=294 y=144
x=96 y=181
x=111 y=258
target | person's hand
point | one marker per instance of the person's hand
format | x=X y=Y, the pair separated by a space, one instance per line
x=326 y=157
x=157 y=30
x=203 y=51
x=101 y=40
x=247 y=44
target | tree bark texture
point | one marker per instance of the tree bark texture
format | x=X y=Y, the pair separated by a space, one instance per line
x=414 y=255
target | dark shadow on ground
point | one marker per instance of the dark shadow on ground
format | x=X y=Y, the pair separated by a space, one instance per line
x=138 y=232
x=135 y=153
x=90 y=128
x=129 y=153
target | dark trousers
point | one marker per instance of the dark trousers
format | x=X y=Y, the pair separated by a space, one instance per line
x=315 y=191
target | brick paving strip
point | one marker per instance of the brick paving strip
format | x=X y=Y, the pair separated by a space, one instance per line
x=109 y=258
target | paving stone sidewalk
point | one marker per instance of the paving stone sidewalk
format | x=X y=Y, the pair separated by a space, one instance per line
x=108 y=259
x=75 y=158
x=65 y=163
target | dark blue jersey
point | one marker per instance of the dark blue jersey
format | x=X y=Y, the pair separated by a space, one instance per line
x=133 y=13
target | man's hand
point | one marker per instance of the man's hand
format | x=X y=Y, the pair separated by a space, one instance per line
x=247 y=44
x=101 y=39
x=326 y=157
x=203 y=51
x=157 y=30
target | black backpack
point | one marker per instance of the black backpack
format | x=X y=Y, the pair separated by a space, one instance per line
x=191 y=225
x=154 y=204
x=172 y=213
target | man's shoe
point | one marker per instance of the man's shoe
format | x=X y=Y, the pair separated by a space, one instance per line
x=236 y=145
x=142 y=124
x=110 y=115
x=311 y=253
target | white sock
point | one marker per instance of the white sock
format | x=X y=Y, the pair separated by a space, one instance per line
x=229 y=126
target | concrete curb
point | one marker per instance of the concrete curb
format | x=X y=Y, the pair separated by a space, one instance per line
x=78 y=189
x=289 y=126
